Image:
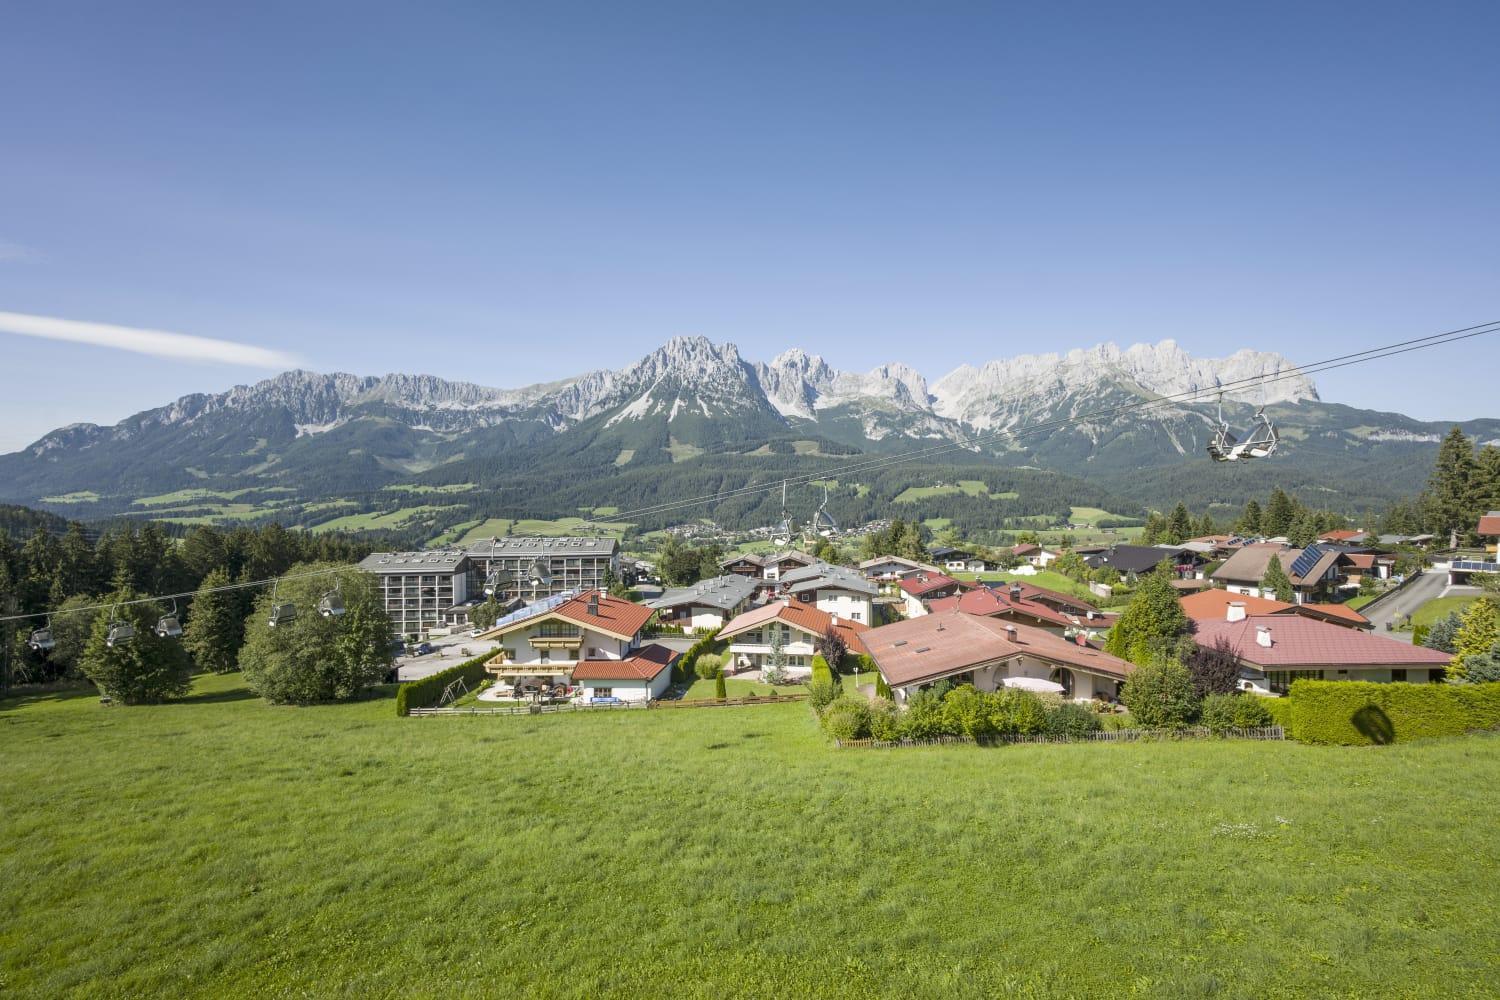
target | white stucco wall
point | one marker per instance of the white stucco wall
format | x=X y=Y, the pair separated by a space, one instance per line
x=630 y=690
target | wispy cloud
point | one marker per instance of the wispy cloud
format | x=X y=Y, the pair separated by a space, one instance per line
x=11 y=253
x=157 y=343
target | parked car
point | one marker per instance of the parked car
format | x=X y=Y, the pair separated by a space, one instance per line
x=420 y=649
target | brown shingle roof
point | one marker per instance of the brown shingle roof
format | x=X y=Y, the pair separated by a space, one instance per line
x=1489 y=524
x=916 y=586
x=802 y=616
x=936 y=645
x=1213 y=605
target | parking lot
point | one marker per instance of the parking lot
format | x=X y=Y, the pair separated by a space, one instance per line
x=447 y=651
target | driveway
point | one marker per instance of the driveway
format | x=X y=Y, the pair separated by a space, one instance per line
x=1427 y=587
x=448 y=651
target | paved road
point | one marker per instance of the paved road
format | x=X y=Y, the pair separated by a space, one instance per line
x=1429 y=586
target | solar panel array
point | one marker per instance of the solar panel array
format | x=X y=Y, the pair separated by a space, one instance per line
x=539 y=608
x=1307 y=559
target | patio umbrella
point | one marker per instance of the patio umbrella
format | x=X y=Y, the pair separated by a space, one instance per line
x=1034 y=684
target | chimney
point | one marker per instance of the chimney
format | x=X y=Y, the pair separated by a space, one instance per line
x=1235 y=612
x=786 y=600
x=1015 y=591
x=1263 y=636
x=1010 y=632
x=594 y=604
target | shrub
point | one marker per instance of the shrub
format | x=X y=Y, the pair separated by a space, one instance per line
x=1360 y=713
x=1280 y=710
x=847 y=719
x=821 y=671
x=923 y=717
x=1235 y=711
x=822 y=692
x=1215 y=670
x=1483 y=669
x=1419 y=634
x=966 y=712
x=708 y=665
x=1072 y=721
x=882 y=689
x=885 y=723
x=144 y=670
x=1014 y=712
x=1442 y=635
x=721 y=691
x=686 y=668
x=425 y=692
x=1160 y=695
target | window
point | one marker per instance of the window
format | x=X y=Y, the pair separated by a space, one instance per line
x=1398 y=675
x=1281 y=682
x=858 y=616
x=546 y=656
x=604 y=692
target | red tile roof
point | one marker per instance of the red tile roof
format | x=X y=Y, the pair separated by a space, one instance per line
x=991 y=603
x=1361 y=560
x=1341 y=535
x=1025 y=549
x=800 y=616
x=1302 y=642
x=644 y=664
x=1342 y=612
x=616 y=616
x=916 y=586
x=1213 y=605
x=1489 y=524
x=936 y=645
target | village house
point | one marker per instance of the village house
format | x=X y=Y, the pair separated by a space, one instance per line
x=1313 y=571
x=767 y=567
x=1278 y=649
x=644 y=675
x=799 y=627
x=988 y=652
x=924 y=587
x=890 y=569
x=1009 y=602
x=958 y=560
x=542 y=644
x=1035 y=555
x=706 y=604
x=837 y=590
x=1222 y=605
x=1131 y=561
x=1488 y=529
x=1343 y=536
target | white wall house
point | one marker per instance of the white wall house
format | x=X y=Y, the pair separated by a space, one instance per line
x=834 y=590
x=753 y=635
x=707 y=604
x=544 y=643
x=645 y=675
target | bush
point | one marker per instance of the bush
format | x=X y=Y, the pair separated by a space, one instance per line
x=1419 y=634
x=1280 y=710
x=882 y=689
x=923 y=717
x=885 y=722
x=1362 y=713
x=847 y=719
x=708 y=665
x=822 y=692
x=1160 y=695
x=1014 y=712
x=1072 y=721
x=425 y=692
x=720 y=690
x=1222 y=712
x=821 y=671
x=686 y=668
x=966 y=712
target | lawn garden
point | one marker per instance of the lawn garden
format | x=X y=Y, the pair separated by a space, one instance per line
x=221 y=847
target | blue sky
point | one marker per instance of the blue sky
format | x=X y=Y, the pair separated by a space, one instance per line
x=515 y=193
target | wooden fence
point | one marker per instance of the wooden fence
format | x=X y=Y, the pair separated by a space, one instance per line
x=1098 y=736
x=570 y=707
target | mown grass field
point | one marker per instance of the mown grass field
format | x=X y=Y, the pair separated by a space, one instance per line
x=1441 y=607
x=224 y=848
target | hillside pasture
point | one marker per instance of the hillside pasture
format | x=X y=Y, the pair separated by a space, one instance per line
x=219 y=847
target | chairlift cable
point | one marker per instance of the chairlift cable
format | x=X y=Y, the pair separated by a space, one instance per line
x=242 y=585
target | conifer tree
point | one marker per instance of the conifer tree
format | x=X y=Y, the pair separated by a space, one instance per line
x=1180 y=525
x=1153 y=617
x=1249 y=522
x=1276 y=582
x=1478 y=631
x=1453 y=490
x=1277 y=519
x=215 y=628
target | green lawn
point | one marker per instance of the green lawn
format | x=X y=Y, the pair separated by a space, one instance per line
x=1359 y=600
x=223 y=848
x=1440 y=607
x=734 y=687
x=375 y=521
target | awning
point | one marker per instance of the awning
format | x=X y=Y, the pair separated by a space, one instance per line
x=1035 y=684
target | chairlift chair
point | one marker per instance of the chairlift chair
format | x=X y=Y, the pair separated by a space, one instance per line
x=782 y=537
x=281 y=614
x=331 y=605
x=1263 y=437
x=41 y=639
x=538 y=574
x=119 y=631
x=1222 y=447
x=169 y=626
x=823 y=522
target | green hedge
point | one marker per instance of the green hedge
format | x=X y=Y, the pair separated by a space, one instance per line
x=1280 y=709
x=1361 y=713
x=820 y=670
x=425 y=692
x=687 y=663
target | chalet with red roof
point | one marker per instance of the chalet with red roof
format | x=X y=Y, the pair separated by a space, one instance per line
x=1278 y=649
x=990 y=653
x=797 y=626
x=542 y=646
x=1011 y=603
x=1224 y=606
x=925 y=587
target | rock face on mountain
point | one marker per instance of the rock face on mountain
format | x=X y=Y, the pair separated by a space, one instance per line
x=692 y=399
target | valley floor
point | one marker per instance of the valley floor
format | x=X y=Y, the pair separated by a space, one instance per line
x=221 y=847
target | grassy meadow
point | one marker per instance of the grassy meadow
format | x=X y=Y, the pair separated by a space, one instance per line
x=219 y=847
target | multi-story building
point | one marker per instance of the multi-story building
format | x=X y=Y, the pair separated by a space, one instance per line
x=420 y=588
x=541 y=567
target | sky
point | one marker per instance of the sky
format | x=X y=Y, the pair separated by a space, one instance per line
x=193 y=196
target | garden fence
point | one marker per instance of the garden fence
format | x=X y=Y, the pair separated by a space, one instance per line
x=1098 y=736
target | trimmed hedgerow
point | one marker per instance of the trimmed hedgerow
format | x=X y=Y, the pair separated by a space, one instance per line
x=687 y=663
x=1280 y=710
x=1222 y=712
x=820 y=670
x=1362 y=713
x=425 y=692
